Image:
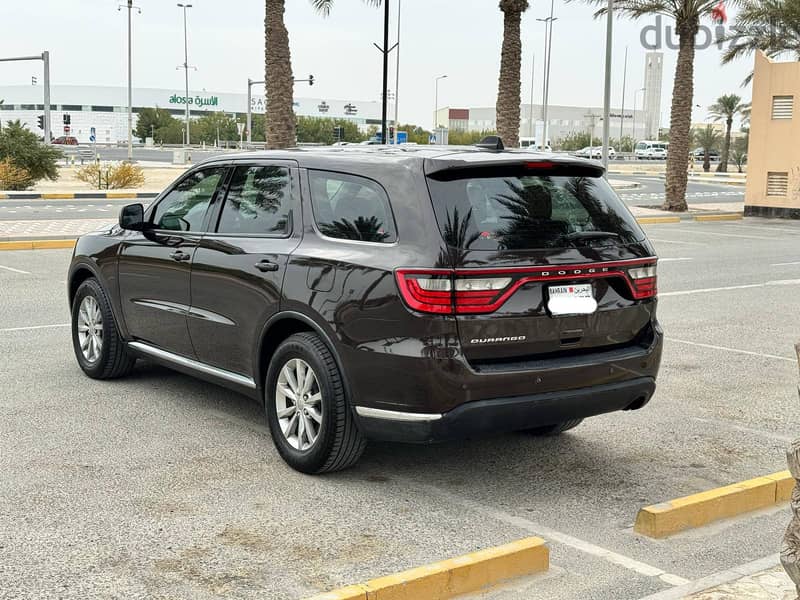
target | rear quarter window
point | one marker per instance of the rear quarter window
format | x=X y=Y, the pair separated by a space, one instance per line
x=350 y=207
x=521 y=211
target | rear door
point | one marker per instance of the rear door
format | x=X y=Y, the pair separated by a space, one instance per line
x=544 y=257
x=238 y=267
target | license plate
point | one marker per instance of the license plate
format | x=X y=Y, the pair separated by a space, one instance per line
x=571 y=299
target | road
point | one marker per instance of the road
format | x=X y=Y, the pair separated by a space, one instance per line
x=651 y=193
x=159 y=485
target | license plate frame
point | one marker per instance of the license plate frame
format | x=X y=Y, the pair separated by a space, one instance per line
x=571 y=299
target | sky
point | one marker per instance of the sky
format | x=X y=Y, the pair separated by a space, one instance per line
x=87 y=40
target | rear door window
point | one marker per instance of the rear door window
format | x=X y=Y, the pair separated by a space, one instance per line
x=258 y=202
x=349 y=207
x=526 y=212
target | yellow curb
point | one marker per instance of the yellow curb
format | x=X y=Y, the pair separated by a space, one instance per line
x=728 y=217
x=452 y=577
x=656 y=220
x=667 y=518
x=784 y=485
x=117 y=195
x=37 y=245
x=58 y=196
x=3 y=196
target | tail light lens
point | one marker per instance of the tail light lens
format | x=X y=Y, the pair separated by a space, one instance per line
x=644 y=280
x=451 y=292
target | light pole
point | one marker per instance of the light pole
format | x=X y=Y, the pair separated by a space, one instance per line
x=607 y=96
x=130 y=6
x=624 y=84
x=397 y=73
x=635 y=98
x=531 y=122
x=186 y=66
x=548 y=43
x=45 y=58
x=436 y=103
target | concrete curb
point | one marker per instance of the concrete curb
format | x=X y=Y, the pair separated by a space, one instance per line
x=655 y=220
x=722 y=217
x=454 y=576
x=75 y=195
x=668 y=518
x=36 y=244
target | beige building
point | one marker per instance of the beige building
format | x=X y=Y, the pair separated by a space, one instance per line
x=773 y=170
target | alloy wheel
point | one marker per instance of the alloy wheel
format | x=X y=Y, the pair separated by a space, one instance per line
x=298 y=404
x=90 y=329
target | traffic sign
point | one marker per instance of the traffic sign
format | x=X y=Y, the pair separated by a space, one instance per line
x=92 y=134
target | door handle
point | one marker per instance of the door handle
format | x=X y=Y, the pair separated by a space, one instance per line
x=266 y=266
x=179 y=256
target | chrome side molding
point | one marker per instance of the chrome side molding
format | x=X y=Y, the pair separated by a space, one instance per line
x=189 y=363
x=393 y=415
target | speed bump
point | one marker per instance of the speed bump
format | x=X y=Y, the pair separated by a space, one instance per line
x=668 y=518
x=452 y=577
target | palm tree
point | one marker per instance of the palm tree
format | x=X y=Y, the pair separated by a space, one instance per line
x=708 y=139
x=687 y=15
x=725 y=109
x=508 y=85
x=280 y=126
x=769 y=25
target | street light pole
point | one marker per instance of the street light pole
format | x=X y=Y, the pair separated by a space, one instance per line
x=186 y=67
x=436 y=103
x=130 y=6
x=46 y=77
x=624 y=83
x=531 y=121
x=548 y=40
x=607 y=98
x=397 y=73
x=635 y=98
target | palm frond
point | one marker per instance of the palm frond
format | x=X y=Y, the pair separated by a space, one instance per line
x=324 y=7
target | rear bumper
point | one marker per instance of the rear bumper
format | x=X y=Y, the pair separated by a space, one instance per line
x=505 y=414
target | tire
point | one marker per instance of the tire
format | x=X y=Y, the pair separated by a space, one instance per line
x=557 y=429
x=338 y=443
x=113 y=359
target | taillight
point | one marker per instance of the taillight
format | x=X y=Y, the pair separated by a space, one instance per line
x=644 y=280
x=428 y=291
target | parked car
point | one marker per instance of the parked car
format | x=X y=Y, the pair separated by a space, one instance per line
x=66 y=140
x=366 y=294
x=699 y=154
x=596 y=152
x=651 y=150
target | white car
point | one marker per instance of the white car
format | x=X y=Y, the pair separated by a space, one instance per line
x=596 y=152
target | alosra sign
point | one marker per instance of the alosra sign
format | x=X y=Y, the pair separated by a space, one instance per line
x=197 y=100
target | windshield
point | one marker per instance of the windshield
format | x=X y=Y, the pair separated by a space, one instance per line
x=530 y=212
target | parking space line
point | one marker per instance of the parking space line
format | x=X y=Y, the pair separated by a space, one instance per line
x=734 y=350
x=32 y=327
x=662 y=241
x=663 y=260
x=731 y=235
x=786 y=264
x=553 y=535
x=13 y=270
x=763 y=228
x=730 y=287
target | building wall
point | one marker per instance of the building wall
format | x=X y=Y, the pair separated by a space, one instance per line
x=773 y=142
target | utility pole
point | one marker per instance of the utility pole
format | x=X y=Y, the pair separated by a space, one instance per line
x=385 y=50
x=531 y=129
x=548 y=51
x=130 y=6
x=186 y=67
x=397 y=74
x=249 y=122
x=436 y=103
x=624 y=83
x=607 y=99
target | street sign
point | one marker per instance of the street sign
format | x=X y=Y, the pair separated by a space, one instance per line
x=92 y=134
x=401 y=137
x=431 y=139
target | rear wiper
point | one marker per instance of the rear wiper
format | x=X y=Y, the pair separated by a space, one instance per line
x=589 y=235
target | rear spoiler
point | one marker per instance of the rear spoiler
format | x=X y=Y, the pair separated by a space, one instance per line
x=500 y=164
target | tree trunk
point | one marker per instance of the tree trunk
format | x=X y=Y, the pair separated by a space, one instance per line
x=279 y=88
x=706 y=162
x=726 y=148
x=508 y=89
x=681 y=120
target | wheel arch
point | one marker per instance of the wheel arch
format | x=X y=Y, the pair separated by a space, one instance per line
x=279 y=327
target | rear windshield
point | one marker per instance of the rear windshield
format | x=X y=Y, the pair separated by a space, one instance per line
x=524 y=212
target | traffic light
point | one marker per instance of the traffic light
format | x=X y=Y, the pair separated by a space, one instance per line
x=40 y=121
x=310 y=80
x=67 y=119
x=391 y=132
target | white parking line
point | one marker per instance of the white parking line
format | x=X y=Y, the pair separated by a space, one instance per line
x=764 y=228
x=785 y=264
x=662 y=241
x=553 y=535
x=731 y=287
x=32 y=327
x=731 y=235
x=13 y=270
x=735 y=350
x=663 y=260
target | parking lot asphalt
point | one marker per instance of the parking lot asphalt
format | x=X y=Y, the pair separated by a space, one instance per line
x=161 y=486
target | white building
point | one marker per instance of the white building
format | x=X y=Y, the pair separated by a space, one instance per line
x=564 y=120
x=106 y=108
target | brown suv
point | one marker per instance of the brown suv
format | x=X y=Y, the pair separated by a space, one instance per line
x=406 y=294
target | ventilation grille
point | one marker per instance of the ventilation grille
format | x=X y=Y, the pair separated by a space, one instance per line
x=777 y=184
x=782 y=107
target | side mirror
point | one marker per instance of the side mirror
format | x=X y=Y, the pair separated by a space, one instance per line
x=131 y=217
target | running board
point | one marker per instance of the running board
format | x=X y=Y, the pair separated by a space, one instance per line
x=189 y=363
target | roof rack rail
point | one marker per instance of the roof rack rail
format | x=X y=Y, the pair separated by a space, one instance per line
x=491 y=142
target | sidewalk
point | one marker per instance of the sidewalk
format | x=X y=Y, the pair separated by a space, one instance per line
x=771 y=584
